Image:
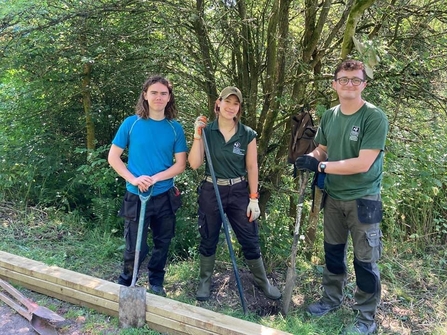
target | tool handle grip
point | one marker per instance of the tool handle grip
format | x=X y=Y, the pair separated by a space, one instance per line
x=19 y=296
x=18 y=308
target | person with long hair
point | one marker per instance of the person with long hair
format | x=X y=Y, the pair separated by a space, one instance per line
x=232 y=147
x=157 y=149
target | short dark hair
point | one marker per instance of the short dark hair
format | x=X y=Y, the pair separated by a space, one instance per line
x=350 y=65
x=142 y=107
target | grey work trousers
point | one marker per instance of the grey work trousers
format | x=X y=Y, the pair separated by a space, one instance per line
x=361 y=219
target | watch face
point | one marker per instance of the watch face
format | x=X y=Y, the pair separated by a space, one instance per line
x=322 y=166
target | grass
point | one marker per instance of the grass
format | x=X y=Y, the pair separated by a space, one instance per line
x=414 y=279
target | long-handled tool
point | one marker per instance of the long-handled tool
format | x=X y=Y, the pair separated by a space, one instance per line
x=224 y=222
x=132 y=301
x=291 y=270
x=43 y=320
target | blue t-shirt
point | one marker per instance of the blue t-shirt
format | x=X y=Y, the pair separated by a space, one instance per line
x=151 y=145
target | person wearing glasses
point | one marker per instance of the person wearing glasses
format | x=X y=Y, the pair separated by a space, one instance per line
x=351 y=142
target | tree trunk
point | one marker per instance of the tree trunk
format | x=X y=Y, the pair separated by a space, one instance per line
x=87 y=104
x=354 y=16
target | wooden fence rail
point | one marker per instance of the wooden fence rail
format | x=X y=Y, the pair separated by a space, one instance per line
x=162 y=314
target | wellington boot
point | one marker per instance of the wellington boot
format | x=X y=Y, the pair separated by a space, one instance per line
x=256 y=267
x=206 y=271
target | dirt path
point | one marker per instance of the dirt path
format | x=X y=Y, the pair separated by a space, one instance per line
x=12 y=323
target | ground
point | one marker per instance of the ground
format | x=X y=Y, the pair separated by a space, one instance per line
x=224 y=294
x=13 y=323
x=393 y=317
x=413 y=301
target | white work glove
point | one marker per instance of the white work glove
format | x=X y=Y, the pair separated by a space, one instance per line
x=253 y=210
x=199 y=124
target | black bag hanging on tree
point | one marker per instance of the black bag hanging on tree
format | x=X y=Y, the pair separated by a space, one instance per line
x=303 y=134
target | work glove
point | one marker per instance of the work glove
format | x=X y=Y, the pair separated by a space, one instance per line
x=253 y=210
x=307 y=162
x=199 y=124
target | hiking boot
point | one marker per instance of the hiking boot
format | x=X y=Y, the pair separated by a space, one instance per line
x=124 y=282
x=157 y=290
x=320 y=308
x=360 y=328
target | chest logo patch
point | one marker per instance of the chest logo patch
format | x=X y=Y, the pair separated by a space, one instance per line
x=237 y=149
x=354 y=135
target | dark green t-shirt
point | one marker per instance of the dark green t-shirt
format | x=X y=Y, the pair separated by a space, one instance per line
x=228 y=158
x=344 y=136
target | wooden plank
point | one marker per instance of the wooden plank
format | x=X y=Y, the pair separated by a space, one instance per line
x=63 y=277
x=60 y=292
x=163 y=314
x=154 y=321
x=165 y=325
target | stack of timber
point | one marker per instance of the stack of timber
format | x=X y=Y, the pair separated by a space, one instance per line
x=162 y=314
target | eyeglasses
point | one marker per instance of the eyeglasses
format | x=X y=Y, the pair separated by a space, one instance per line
x=354 y=81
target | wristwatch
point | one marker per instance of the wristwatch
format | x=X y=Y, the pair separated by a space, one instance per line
x=322 y=167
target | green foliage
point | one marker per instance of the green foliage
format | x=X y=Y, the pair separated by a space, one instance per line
x=184 y=245
x=36 y=159
x=45 y=47
x=276 y=228
x=100 y=188
x=415 y=186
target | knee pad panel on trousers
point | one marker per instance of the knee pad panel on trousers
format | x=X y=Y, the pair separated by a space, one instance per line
x=366 y=279
x=335 y=257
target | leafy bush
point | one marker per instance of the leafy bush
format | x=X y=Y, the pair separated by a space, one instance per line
x=100 y=188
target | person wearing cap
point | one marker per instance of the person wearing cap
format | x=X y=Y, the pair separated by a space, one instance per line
x=233 y=151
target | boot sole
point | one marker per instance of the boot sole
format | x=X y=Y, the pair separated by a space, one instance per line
x=322 y=313
x=202 y=298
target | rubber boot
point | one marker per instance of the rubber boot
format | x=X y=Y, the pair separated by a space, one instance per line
x=206 y=271
x=256 y=267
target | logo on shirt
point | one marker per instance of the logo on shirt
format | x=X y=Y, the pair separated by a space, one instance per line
x=354 y=136
x=237 y=149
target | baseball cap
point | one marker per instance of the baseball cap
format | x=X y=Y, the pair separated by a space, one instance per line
x=227 y=91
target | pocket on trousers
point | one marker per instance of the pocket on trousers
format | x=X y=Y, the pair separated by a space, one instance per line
x=374 y=239
x=129 y=208
x=175 y=198
x=369 y=211
x=202 y=225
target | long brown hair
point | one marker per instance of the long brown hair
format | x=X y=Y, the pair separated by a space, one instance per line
x=142 y=107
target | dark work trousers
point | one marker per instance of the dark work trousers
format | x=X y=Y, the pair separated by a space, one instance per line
x=361 y=221
x=161 y=220
x=235 y=200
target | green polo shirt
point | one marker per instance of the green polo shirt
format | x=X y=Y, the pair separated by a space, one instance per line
x=344 y=136
x=228 y=158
